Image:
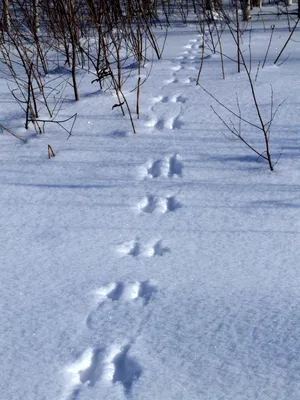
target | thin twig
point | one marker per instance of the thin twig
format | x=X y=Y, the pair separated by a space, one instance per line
x=13 y=134
x=228 y=109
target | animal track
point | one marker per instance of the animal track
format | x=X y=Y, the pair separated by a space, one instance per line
x=153 y=204
x=134 y=248
x=161 y=99
x=111 y=366
x=168 y=167
x=175 y=166
x=173 y=204
x=162 y=123
x=180 y=81
x=126 y=369
x=157 y=249
x=114 y=365
x=179 y=99
x=177 y=123
x=116 y=291
x=131 y=248
x=166 y=99
x=84 y=372
x=158 y=168
x=122 y=292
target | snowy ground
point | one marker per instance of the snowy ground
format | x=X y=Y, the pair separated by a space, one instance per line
x=162 y=265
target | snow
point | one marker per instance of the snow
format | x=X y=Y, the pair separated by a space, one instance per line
x=161 y=265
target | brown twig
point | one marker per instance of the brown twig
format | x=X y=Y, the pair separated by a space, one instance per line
x=13 y=134
x=50 y=152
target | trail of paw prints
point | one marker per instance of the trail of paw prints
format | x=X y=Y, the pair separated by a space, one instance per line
x=173 y=99
x=168 y=167
x=135 y=248
x=193 y=46
x=189 y=59
x=182 y=80
x=109 y=366
x=120 y=292
x=164 y=114
x=164 y=123
x=113 y=364
x=154 y=204
x=125 y=292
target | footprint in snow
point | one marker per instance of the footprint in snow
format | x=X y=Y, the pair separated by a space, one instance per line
x=123 y=292
x=134 y=248
x=154 y=204
x=168 y=167
x=109 y=366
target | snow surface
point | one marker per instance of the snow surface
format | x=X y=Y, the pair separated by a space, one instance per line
x=162 y=265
